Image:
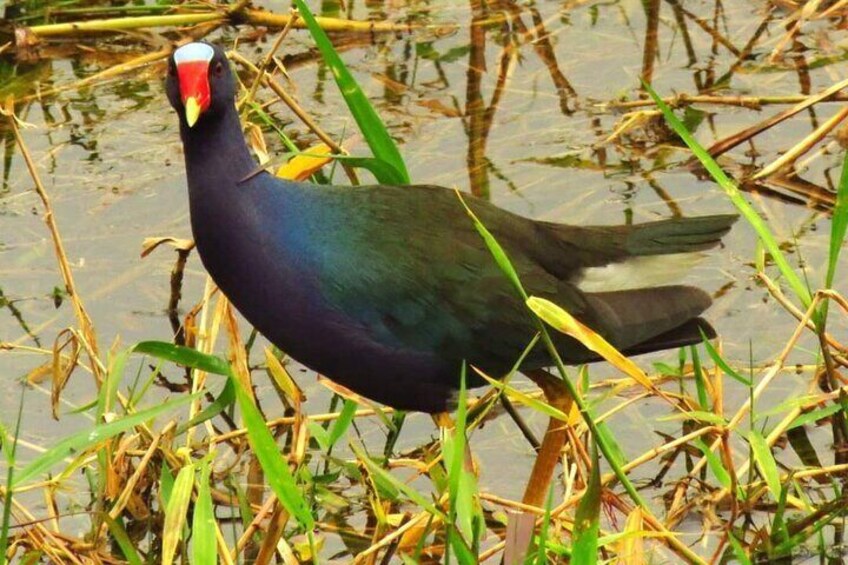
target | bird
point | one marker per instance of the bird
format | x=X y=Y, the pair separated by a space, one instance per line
x=388 y=290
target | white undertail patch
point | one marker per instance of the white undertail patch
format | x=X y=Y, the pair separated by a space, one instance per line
x=639 y=272
x=194 y=52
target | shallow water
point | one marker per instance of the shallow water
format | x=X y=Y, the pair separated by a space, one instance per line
x=110 y=158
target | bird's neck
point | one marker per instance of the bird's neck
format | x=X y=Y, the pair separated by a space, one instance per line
x=216 y=154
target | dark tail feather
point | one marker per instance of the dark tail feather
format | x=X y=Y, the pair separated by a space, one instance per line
x=629 y=318
x=679 y=235
x=687 y=334
x=563 y=250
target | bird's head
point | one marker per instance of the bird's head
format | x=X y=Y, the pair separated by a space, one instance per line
x=199 y=82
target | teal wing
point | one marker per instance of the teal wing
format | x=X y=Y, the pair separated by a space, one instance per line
x=407 y=265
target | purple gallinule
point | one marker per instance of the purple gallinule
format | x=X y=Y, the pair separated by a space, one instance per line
x=387 y=289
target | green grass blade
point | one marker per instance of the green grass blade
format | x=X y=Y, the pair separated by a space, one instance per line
x=10 y=452
x=166 y=485
x=382 y=171
x=544 y=532
x=87 y=439
x=109 y=392
x=717 y=467
x=527 y=400
x=779 y=531
x=194 y=359
x=370 y=124
x=614 y=452
x=839 y=224
x=175 y=513
x=464 y=555
x=221 y=403
x=736 y=197
x=696 y=415
x=717 y=359
x=714 y=463
x=495 y=249
x=342 y=423
x=792 y=544
x=122 y=538
x=395 y=483
x=203 y=542
x=764 y=459
x=184 y=356
x=319 y=434
x=465 y=513
x=587 y=519
x=700 y=381
x=814 y=416
x=738 y=550
x=280 y=478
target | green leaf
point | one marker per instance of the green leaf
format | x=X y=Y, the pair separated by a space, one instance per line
x=738 y=550
x=184 y=356
x=699 y=415
x=814 y=416
x=700 y=381
x=203 y=542
x=727 y=369
x=166 y=484
x=839 y=224
x=462 y=484
x=382 y=171
x=544 y=531
x=10 y=452
x=765 y=462
x=342 y=423
x=587 y=519
x=87 y=439
x=714 y=463
x=464 y=555
x=370 y=124
x=527 y=400
x=276 y=468
x=109 y=390
x=175 y=513
x=394 y=482
x=666 y=369
x=692 y=118
x=495 y=249
x=717 y=468
x=221 y=403
x=615 y=452
x=319 y=434
x=119 y=534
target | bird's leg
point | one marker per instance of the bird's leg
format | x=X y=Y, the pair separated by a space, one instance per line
x=522 y=425
x=442 y=420
x=549 y=453
x=446 y=424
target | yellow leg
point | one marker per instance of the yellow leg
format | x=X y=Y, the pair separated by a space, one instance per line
x=555 y=436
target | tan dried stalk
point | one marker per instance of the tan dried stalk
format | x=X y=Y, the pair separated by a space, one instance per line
x=83 y=319
x=803 y=146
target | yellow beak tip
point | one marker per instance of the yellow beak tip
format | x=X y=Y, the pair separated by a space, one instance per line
x=192 y=111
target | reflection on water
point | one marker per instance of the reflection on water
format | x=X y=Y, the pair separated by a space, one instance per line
x=526 y=105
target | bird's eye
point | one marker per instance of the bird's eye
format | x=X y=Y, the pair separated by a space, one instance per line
x=218 y=69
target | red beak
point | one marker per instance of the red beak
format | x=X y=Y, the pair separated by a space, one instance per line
x=194 y=88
